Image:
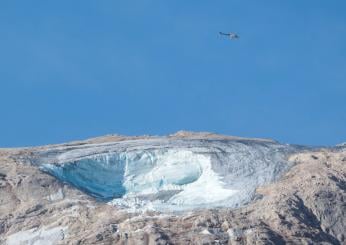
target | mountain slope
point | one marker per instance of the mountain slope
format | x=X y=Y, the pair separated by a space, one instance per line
x=185 y=188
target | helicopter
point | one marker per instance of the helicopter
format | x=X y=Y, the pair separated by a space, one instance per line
x=231 y=35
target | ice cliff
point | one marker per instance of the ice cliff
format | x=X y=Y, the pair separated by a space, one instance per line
x=167 y=174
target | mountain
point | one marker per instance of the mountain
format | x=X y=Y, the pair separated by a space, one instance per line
x=185 y=188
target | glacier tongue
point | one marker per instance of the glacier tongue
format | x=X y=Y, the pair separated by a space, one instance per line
x=172 y=176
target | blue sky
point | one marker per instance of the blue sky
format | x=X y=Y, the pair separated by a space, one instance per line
x=77 y=69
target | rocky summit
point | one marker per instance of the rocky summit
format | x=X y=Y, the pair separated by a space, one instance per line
x=185 y=188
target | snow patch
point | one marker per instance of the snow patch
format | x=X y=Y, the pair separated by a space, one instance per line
x=43 y=236
x=205 y=232
x=59 y=195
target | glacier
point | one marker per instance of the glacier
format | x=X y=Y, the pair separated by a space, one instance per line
x=165 y=174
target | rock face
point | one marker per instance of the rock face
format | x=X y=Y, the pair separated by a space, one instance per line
x=187 y=188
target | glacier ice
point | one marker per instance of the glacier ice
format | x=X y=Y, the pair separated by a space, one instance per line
x=170 y=175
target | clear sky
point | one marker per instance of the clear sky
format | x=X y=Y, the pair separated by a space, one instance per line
x=77 y=69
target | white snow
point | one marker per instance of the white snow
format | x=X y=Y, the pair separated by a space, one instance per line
x=56 y=196
x=42 y=236
x=205 y=232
